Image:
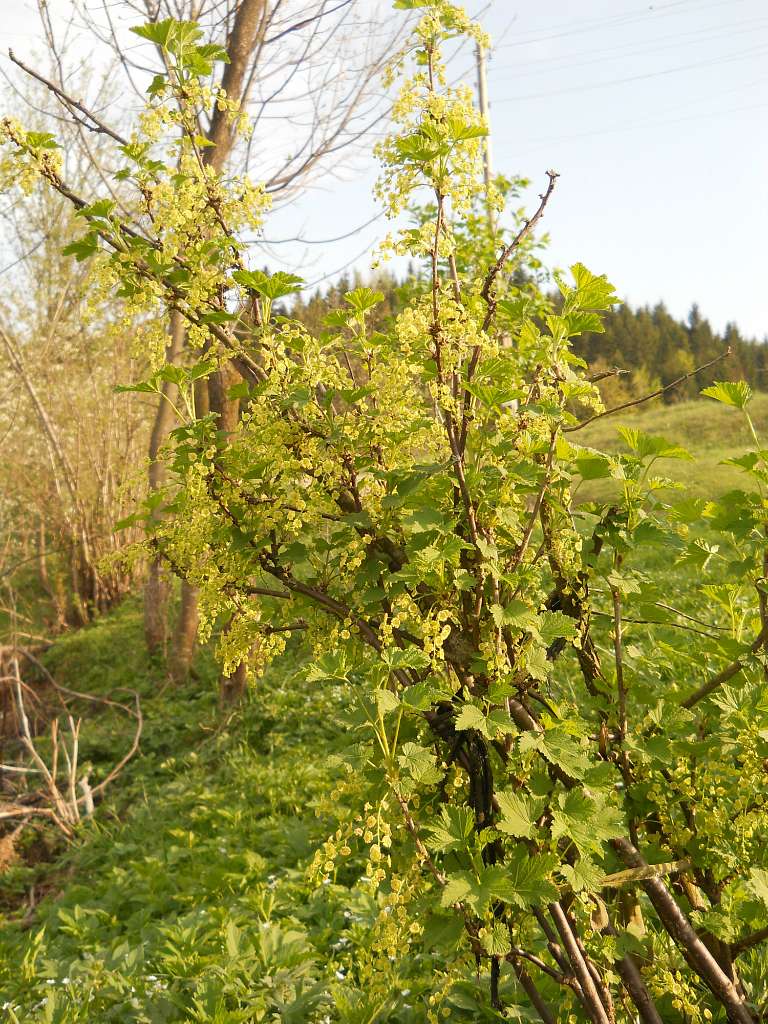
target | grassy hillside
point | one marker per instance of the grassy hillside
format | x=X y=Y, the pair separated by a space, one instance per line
x=710 y=431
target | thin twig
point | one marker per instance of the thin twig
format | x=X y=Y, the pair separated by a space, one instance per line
x=592 y=1001
x=727 y=673
x=487 y=294
x=97 y=125
x=749 y=941
x=653 y=394
x=498 y=266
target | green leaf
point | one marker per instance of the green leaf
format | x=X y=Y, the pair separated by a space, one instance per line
x=419 y=149
x=646 y=446
x=454 y=828
x=495 y=939
x=408 y=657
x=443 y=931
x=420 y=763
x=517 y=614
x=556 y=625
x=240 y=390
x=587 y=823
x=559 y=748
x=458 y=887
x=363 y=299
x=758 y=884
x=420 y=696
x=471 y=717
x=82 y=248
x=386 y=701
x=593 y=465
x=583 y=875
x=158 y=32
x=499 y=722
x=735 y=393
x=144 y=387
x=338 y=318
x=522 y=880
x=100 y=210
x=274 y=287
x=41 y=140
x=518 y=814
x=592 y=292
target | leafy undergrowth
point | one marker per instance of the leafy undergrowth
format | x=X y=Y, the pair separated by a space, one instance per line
x=188 y=896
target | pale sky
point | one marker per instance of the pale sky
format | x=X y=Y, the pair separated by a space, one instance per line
x=655 y=116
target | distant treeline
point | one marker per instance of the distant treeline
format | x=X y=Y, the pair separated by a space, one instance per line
x=655 y=347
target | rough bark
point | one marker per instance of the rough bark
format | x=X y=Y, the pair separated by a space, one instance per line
x=185 y=635
x=157 y=586
x=246 y=33
x=232 y=688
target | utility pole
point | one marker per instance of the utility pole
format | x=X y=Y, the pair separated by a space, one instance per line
x=482 y=99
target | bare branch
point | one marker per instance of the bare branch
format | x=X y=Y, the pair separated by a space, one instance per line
x=97 y=125
x=653 y=394
x=727 y=673
x=307 y=21
x=528 y=226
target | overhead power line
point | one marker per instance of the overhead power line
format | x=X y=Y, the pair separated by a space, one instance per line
x=570 y=90
x=635 y=125
x=650 y=11
x=696 y=37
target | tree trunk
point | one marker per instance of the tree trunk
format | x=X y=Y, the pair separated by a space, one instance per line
x=248 y=25
x=156 y=591
x=157 y=588
x=42 y=560
x=226 y=408
x=185 y=635
x=232 y=688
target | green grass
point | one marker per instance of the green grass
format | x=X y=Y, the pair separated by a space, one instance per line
x=188 y=897
x=710 y=431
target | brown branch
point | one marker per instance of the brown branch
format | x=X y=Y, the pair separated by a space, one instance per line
x=630 y=975
x=307 y=21
x=749 y=941
x=126 y=757
x=657 y=622
x=558 y=976
x=653 y=394
x=528 y=986
x=421 y=849
x=526 y=539
x=486 y=293
x=727 y=673
x=555 y=949
x=592 y=1001
x=266 y=592
x=97 y=125
x=616 y=371
x=680 y=929
x=506 y=252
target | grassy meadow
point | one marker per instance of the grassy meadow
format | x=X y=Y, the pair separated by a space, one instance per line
x=710 y=431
